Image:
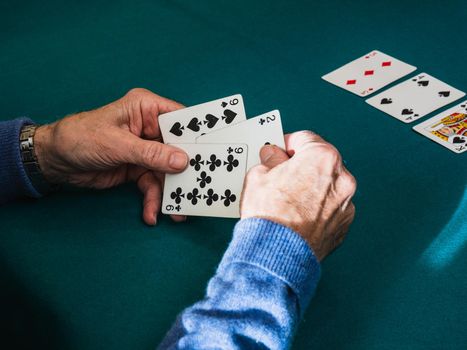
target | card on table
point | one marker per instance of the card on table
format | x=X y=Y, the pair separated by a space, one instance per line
x=255 y=132
x=449 y=128
x=369 y=73
x=185 y=125
x=212 y=183
x=415 y=98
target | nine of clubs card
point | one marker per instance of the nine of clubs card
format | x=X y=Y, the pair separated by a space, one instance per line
x=449 y=128
x=369 y=73
x=255 y=132
x=212 y=183
x=415 y=98
x=185 y=125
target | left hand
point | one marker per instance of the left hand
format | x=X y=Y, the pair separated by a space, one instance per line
x=306 y=188
x=111 y=145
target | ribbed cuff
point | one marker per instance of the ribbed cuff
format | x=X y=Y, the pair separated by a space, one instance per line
x=14 y=182
x=279 y=250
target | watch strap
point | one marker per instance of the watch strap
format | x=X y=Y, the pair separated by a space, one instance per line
x=29 y=158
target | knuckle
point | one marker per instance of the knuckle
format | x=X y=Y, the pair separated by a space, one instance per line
x=309 y=136
x=349 y=213
x=348 y=216
x=330 y=152
x=305 y=136
x=327 y=155
x=136 y=92
x=352 y=211
x=305 y=133
x=152 y=154
x=349 y=183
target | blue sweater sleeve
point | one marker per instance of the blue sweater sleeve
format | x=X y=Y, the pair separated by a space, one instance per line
x=256 y=298
x=14 y=182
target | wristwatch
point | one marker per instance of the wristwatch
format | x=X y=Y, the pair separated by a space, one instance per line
x=29 y=158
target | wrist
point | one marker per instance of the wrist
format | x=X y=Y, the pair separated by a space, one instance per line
x=294 y=221
x=278 y=250
x=28 y=153
x=44 y=147
x=281 y=212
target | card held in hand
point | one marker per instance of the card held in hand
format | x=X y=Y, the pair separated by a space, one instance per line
x=369 y=73
x=448 y=128
x=211 y=184
x=255 y=132
x=185 y=125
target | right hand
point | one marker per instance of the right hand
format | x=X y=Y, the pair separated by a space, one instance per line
x=306 y=188
x=111 y=145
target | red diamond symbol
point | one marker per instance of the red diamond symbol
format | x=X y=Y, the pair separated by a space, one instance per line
x=386 y=64
x=369 y=72
x=351 y=82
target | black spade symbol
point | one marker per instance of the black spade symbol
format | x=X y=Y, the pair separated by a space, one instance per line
x=458 y=139
x=176 y=129
x=193 y=125
x=386 y=101
x=406 y=111
x=229 y=116
x=423 y=83
x=211 y=120
x=224 y=104
x=444 y=93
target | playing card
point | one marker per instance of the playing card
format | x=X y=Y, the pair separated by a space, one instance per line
x=415 y=98
x=449 y=128
x=255 y=132
x=369 y=73
x=212 y=183
x=185 y=125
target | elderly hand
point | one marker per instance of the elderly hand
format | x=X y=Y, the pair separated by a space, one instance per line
x=306 y=188
x=116 y=143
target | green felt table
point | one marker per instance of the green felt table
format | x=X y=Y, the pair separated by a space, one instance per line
x=80 y=270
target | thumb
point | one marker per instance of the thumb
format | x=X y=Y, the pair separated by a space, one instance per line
x=153 y=155
x=272 y=156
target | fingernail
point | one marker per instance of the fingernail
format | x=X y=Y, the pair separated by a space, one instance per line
x=178 y=160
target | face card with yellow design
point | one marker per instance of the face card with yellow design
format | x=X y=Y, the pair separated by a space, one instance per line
x=449 y=128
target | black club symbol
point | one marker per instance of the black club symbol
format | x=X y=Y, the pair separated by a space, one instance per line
x=211 y=197
x=193 y=196
x=214 y=162
x=196 y=162
x=231 y=163
x=228 y=197
x=177 y=195
x=203 y=179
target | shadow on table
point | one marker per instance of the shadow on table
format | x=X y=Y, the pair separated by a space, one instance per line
x=25 y=321
x=380 y=282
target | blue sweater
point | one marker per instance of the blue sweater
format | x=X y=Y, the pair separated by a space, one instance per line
x=258 y=294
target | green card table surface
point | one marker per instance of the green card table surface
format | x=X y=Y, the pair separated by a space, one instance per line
x=80 y=270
